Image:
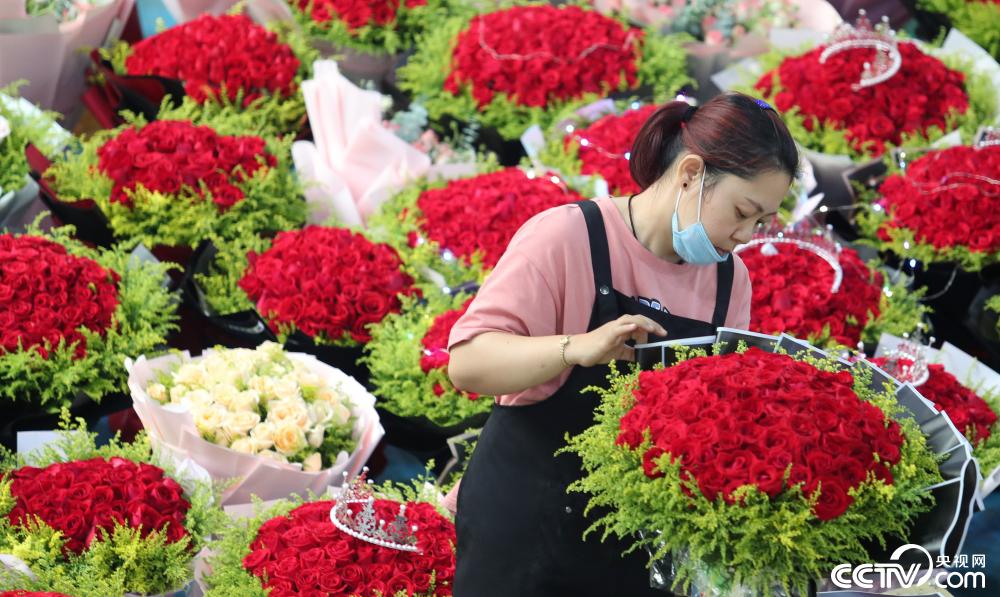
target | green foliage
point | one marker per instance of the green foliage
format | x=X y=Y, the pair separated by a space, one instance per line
x=903 y=242
x=993 y=304
x=140 y=324
x=661 y=66
x=900 y=312
x=13 y=163
x=762 y=543
x=25 y=127
x=393 y=357
x=221 y=280
x=272 y=195
x=117 y=563
x=396 y=36
x=980 y=21
x=825 y=138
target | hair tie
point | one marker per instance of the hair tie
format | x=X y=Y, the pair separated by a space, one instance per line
x=688 y=114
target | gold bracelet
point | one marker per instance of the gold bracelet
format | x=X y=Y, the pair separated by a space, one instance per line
x=562 y=351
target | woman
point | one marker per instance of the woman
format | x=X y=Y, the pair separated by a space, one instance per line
x=576 y=284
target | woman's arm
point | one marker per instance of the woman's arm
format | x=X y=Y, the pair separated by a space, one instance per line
x=496 y=363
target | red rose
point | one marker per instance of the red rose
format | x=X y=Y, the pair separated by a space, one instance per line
x=310 y=301
x=79 y=500
x=872 y=119
x=462 y=216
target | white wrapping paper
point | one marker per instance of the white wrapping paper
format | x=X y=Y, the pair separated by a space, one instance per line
x=171 y=427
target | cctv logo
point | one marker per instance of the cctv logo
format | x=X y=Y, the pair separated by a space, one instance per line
x=890 y=575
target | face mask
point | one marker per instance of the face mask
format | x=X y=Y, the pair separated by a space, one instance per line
x=693 y=244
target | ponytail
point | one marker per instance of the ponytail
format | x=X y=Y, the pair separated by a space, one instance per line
x=734 y=133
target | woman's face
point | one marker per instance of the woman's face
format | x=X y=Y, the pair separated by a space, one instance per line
x=734 y=206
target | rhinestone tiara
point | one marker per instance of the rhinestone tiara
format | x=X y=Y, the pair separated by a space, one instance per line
x=365 y=525
x=862 y=34
x=806 y=235
x=907 y=362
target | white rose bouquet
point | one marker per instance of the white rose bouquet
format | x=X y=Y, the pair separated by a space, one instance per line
x=262 y=402
x=277 y=422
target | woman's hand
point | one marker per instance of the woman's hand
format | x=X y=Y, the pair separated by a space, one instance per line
x=607 y=343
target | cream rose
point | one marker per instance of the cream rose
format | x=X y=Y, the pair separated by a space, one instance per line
x=244 y=445
x=289 y=438
x=191 y=374
x=316 y=436
x=286 y=388
x=208 y=419
x=246 y=400
x=199 y=399
x=239 y=424
x=157 y=391
x=321 y=413
x=291 y=411
x=312 y=463
x=263 y=434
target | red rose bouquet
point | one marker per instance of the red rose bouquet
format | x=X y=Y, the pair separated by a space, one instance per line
x=70 y=315
x=370 y=26
x=408 y=360
x=722 y=455
x=295 y=549
x=941 y=208
x=102 y=521
x=597 y=151
x=506 y=69
x=978 y=19
x=174 y=183
x=460 y=228
x=327 y=283
x=793 y=293
x=971 y=406
x=227 y=63
x=931 y=94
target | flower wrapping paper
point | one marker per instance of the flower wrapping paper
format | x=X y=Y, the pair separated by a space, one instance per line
x=355 y=163
x=172 y=428
x=47 y=53
x=967 y=370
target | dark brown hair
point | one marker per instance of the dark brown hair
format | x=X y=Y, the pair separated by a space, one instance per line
x=734 y=133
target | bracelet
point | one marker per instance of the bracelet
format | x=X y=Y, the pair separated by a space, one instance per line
x=562 y=351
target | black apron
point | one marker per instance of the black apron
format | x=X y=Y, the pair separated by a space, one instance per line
x=519 y=532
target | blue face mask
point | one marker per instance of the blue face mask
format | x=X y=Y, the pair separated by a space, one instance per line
x=693 y=244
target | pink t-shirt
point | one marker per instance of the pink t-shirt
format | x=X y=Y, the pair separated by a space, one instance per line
x=543 y=285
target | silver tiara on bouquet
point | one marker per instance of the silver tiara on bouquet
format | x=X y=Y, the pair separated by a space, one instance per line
x=365 y=525
x=804 y=234
x=863 y=35
x=907 y=362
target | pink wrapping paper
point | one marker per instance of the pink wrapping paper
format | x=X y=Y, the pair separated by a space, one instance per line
x=355 y=163
x=171 y=428
x=51 y=55
x=186 y=10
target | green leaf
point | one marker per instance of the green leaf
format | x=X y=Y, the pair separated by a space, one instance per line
x=393 y=357
x=140 y=324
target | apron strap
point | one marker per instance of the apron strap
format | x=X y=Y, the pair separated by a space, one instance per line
x=600 y=259
x=723 y=290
